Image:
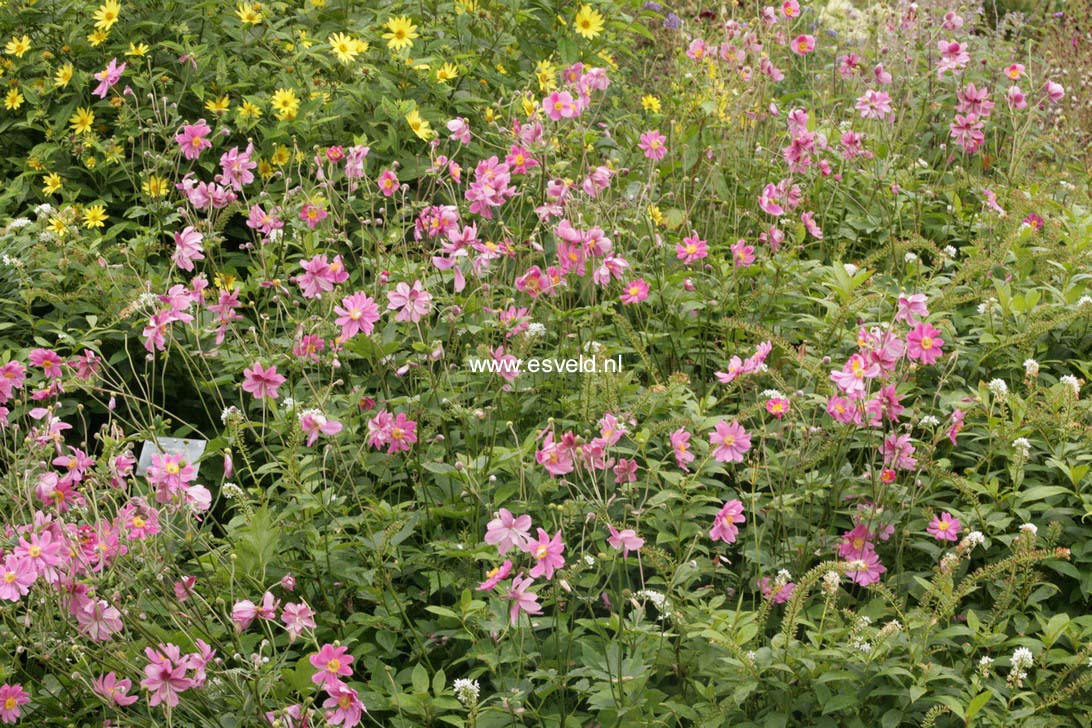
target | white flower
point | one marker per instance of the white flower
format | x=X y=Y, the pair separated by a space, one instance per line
x=1030 y=528
x=1071 y=381
x=772 y=394
x=998 y=388
x=974 y=538
x=831 y=581
x=19 y=222
x=592 y=347
x=984 y=666
x=467 y=691
x=44 y=209
x=929 y=421
x=1022 y=446
x=1084 y=301
x=589 y=559
x=658 y=600
x=535 y=330
x=910 y=258
x=851 y=269
x=950 y=251
x=288 y=404
x=231 y=490
x=1022 y=658
x=1031 y=367
x=232 y=413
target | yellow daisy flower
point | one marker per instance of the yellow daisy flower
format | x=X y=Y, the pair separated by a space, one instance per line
x=17 y=46
x=546 y=73
x=346 y=48
x=107 y=14
x=82 y=120
x=63 y=75
x=218 y=106
x=249 y=13
x=137 y=50
x=57 y=226
x=286 y=104
x=401 y=32
x=156 y=186
x=53 y=183
x=281 y=155
x=650 y=103
x=13 y=100
x=446 y=72
x=419 y=125
x=250 y=111
x=97 y=38
x=589 y=23
x=94 y=216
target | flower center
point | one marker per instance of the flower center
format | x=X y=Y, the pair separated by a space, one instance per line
x=10 y=704
x=540 y=552
x=926 y=343
x=138 y=522
x=34 y=551
x=333 y=665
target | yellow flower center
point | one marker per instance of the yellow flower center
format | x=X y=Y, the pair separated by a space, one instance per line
x=34 y=551
x=333 y=665
x=926 y=343
x=171 y=468
x=9 y=704
x=540 y=552
x=9 y=577
x=138 y=522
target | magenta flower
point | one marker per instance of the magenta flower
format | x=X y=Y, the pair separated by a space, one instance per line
x=412 y=304
x=108 y=77
x=872 y=568
x=635 y=292
x=194 y=139
x=460 y=130
x=261 y=382
x=236 y=168
x=50 y=363
x=114 y=691
x=1054 y=91
x=766 y=586
x=875 y=105
x=11 y=697
x=911 y=308
x=388 y=182
x=165 y=678
x=724 y=525
x=312 y=215
x=743 y=254
x=691 y=249
x=357 y=314
x=507 y=532
x=343 y=706
x=899 y=452
x=16 y=576
x=923 y=344
x=680 y=443
x=296 y=618
x=625 y=540
x=494 y=576
x=547 y=552
x=945 y=527
x=332 y=664
x=98 y=620
x=522 y=600
x=803 y=44
x=187 y=248
x=652 y=143
x=731 y=440
x=320 y=276
x=396 y=432
x=315 y=423
x=559 y=105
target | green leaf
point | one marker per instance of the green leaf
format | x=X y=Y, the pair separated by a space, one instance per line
x=977 y=703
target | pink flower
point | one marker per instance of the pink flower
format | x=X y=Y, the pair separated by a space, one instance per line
x=506 y=531
x=790 y=8
x=556 y=457
x=724 y=525
x=164 y=678
x=854 y=374
x=731 y=441
x=766 y=586
x=697 y=49
x=945 y=527
x=236 y=166
x=194 y=139
x=16 y=576
x=388 y=183
x=1015 y=71
x=412 y=304
x=43 y=553
x=315 y=423
x=312 y=215
x=357 y=314
x=808 y=218
x=98 y=620
x=320 y=276
x=743 y=254
x=108 y=78
x=183 y=588
x=332 y=664
x=397 y=433
x=691 y=249
x=652 y=143
x=855 y=543
x=777 y=406
x=460 y=130
x=187 y=248
x=625 y=540
x=680 y=443
x=803 y=44
x=261 y=382
x=635 y=292
x=296 y=618
x=522 y=600
x=50 y=363
x=911 y=307
x=547 y=552
x=11 y=697
x=923 y=344
x=872 y=567
x=899 y=452
x=559 y=105
x=494 y=576
x=344 y=706
x=874 y=105
x=1054 y=91
x=114 y=691
x=625 y=471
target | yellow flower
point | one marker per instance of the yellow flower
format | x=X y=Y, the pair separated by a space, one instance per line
x=490 y=115
x=286 y=104
x=655 y=215
x=281 y=155
x=113 y=154
x=224 y=281
x=265 y=169
x=546 y=72
x=53 y=183
x=401 y=33
x=17 y=46
x=90 y=162
x=63 y=75
x=650 y=103
x=218 y=106
x=35 y=164
x=249 y=13
x=250 y=111
x=589 y=23
x=446 y=72
x=346 y=48
x=137 y=50
x=107 y=14
x=13 y=100
x=419 y=125
x=319 y=3
x=57 y=226
x=156 y=186
x=305 y=40
x=94 y=216
x=529 y=105
x=82 y=120
x=97 y=38
x=465 y=6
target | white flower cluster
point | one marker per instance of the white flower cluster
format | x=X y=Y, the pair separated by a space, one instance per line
x=231 y=414
x=535 y=330
x=1022 y=446
x=998 y=388
x=928 y=421
x=1029 y=528
x=467 y=691
x=1022 y=660
x=1071 y=381
x=1031 y=367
